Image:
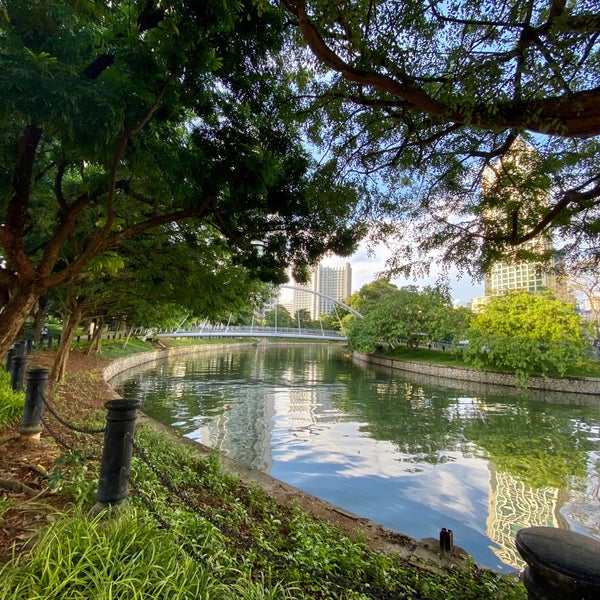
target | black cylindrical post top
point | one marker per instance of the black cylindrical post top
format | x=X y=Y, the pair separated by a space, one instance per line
x=113 y=483
x=17 y=374
x=561 y=564
x=31 y=426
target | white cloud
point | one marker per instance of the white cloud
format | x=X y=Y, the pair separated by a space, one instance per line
x=367 y=265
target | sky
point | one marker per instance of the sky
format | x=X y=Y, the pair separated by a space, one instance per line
x=366 y=265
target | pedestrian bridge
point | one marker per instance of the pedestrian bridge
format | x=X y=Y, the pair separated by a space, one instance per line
x=258 y=331
x=253 y=331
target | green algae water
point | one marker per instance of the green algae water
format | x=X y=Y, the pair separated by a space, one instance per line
x=415 y=454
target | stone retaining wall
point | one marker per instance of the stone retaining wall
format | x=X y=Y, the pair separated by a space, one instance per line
x=152 y=358
x=570 y=385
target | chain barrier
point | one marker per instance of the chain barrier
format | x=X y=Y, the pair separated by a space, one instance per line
x=63 y=443
x=70 y=425
x=166 y=526
x=283 y=562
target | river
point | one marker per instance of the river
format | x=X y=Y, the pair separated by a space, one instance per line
x=404 y=451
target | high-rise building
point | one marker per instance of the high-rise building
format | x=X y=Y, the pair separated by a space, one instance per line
x=328 y=284
x=517 y=274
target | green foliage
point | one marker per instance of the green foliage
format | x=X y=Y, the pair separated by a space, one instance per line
x=406 y=316
x=417 y=99
x=11 y=403
x=104 y=558
x=279 y=317
x=70 y=475
x=125 y=118
x=527 y=333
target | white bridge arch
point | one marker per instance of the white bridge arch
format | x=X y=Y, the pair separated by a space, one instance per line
x=254 y=331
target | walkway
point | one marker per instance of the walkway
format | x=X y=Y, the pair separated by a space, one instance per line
x=255 y=331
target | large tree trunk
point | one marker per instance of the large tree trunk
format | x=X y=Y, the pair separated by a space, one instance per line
x=128 y=336
x=22 y=301
x=38 y=319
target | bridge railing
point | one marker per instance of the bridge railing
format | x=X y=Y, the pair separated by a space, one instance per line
x=250 y=331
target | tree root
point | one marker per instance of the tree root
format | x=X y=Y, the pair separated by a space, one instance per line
x=14 y=485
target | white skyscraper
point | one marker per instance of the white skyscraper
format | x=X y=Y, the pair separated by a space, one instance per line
x=334 y=282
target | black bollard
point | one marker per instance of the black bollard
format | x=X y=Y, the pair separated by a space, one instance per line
x=113 y=484
x=31 y=427
x=446 y=540
x=49 y=342
x=561 y=564
x=28 y=346
x=17 y=373
x=9 y=357
x=19 y=348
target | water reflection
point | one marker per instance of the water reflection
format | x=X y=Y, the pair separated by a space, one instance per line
x=401 y=450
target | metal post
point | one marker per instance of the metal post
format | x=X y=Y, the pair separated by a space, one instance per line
x=17 y=375
x=113 y=484
x=561 y=564
x=31 y=426
x=19 y=348
x=9 y=358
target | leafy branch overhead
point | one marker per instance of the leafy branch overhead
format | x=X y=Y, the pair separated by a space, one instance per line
x=422 y=97
x=119 y=118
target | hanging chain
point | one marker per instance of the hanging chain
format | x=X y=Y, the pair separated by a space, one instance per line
x=70 y=425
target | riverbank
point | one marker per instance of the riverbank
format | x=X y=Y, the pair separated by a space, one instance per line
x=570 y=390
x=81 y=399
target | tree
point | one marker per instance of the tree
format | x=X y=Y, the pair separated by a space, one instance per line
x=122 y=117
x=279 y=317
x=370 y=294
x=303 y=319
x=584 y=280
x=406 y=316
x=422 y=97
x=156 y=280
x=528 y=334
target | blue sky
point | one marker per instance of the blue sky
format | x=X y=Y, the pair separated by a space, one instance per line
x=366 y=266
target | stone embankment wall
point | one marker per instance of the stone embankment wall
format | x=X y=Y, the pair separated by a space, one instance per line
x=147 y=360
x=571 y=385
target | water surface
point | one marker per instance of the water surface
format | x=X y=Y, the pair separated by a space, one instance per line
x=402 y=450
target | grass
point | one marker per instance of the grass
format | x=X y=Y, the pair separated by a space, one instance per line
x=11 y=403
x=453 y=358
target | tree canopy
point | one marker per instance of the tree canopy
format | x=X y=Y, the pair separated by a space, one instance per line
x=528 y=334
x=404 y=316
x=117 y=118
x=419 y=98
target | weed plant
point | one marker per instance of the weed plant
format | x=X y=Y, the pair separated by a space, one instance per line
x=11 y=403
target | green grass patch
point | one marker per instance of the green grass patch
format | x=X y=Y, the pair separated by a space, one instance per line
x=452 y=357
x=11 y=403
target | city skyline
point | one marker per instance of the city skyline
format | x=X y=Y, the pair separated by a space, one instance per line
x=366 y=265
